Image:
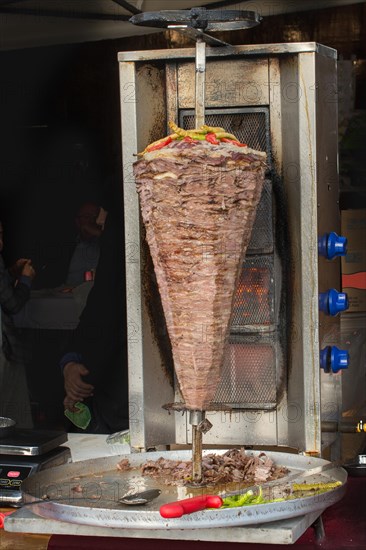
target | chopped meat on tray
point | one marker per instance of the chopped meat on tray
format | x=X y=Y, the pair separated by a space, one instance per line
x=234 y=466
x=123 y=465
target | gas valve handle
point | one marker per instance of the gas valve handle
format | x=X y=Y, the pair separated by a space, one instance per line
x=331 y=246
x=187 y=506
x=333 y=302
x=333 y=359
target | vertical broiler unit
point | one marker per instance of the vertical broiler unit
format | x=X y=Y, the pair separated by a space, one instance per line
x=281 y=99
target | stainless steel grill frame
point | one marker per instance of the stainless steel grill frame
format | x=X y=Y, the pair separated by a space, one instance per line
x=296 y=85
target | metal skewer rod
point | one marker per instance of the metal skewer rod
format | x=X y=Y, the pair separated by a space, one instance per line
x=195 y=419
x=200 y=82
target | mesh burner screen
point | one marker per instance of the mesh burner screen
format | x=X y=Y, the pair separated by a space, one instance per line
x=253 y=364
x=249 y=125
x=261 y=241
x=249 y=377
x=254 y=299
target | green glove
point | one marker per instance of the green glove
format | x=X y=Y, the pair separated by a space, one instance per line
x=81 y=418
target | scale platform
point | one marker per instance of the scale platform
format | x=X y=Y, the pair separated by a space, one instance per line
x=25 y=452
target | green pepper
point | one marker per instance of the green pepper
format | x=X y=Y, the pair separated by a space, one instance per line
x=199 y=137
x=247 y=499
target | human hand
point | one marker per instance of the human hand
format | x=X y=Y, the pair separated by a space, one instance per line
x=90 y=230
x=101 y=219
x=75 y=387
x=69 y=404
x=16 y=269
x=28 y=270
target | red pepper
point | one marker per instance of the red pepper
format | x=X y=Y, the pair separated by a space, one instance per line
x=159 y=145
x=234 y=142
x=211 y=138
x=188 y=139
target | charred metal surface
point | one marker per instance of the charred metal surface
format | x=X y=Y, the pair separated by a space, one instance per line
x=171 y=91
x=156 y=313
x=283 y=251
x=177 y=407
x=151 y=100
x=152 y=77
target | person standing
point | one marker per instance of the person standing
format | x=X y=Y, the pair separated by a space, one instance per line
x=86 y=254
x=15 y=286
x=95 y=371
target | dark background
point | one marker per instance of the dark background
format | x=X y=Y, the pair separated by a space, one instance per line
x=60 y=138
x=54 y=153
x=60 y=143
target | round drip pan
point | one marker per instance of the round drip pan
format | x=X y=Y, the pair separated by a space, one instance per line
x=87 y=493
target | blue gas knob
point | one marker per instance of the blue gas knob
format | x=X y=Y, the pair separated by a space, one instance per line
x=332 y=245
x=333 y=302
x=333 y=359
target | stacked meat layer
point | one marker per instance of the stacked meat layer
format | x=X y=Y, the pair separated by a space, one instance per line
x=198 y=204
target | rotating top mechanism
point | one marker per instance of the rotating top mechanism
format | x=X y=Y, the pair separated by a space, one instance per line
x=195 y=23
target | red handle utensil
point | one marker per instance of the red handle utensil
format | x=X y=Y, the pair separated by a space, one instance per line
x=3 y=516
x=187 y=506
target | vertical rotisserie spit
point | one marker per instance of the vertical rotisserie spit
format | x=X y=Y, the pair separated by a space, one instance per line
x=198 y=194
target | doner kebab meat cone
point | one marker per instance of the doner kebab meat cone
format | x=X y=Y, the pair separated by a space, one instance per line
x=199 y=191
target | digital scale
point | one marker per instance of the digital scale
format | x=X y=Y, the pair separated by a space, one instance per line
x=25 y=452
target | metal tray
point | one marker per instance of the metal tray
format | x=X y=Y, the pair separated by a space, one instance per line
x=102 y=485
